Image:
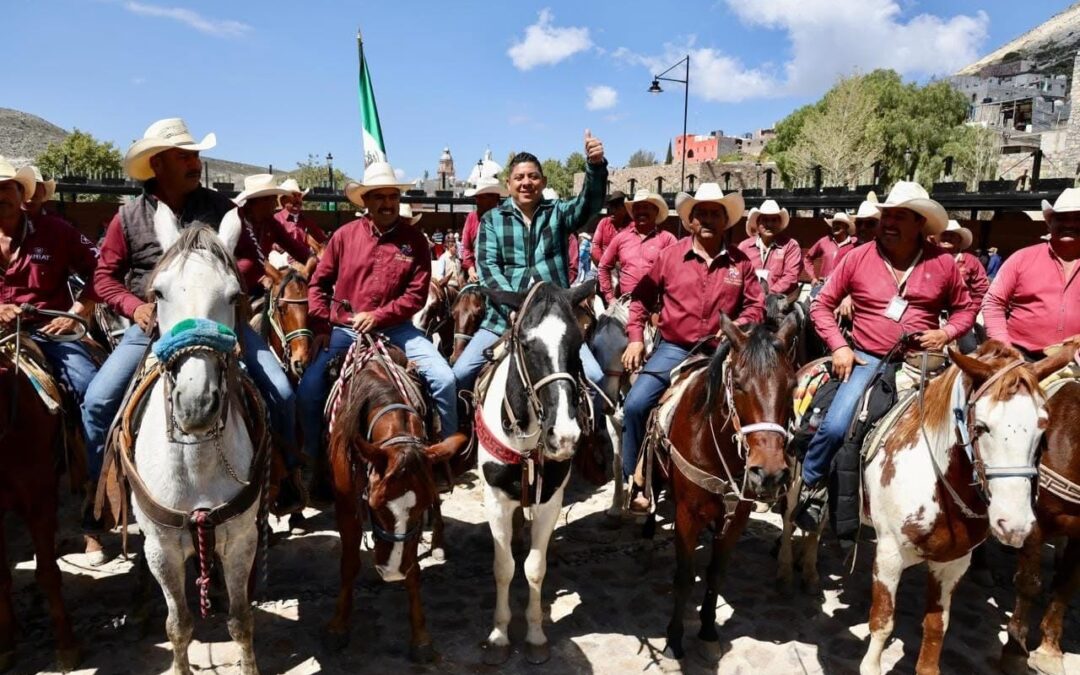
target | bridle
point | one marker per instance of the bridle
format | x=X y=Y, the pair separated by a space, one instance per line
x=467 y=288
x=276 y=300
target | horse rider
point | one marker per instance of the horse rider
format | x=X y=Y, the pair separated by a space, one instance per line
x=524 y=240
x=257 y=203
x=37 y=255
x=373 y=276
x=489 y=191
x=830 y=249
x=899 y=286
x=691 y=283
x=635 y=249
x=166 y=160
x=292 y=218
x=609 y=226
x=43 y=193
x=777 y=257
x=866 y=220
x=1032 y=302
x=956 y=240
x=448 y=265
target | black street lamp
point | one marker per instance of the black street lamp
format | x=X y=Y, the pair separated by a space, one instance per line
x=654 y=88
x=330 y=175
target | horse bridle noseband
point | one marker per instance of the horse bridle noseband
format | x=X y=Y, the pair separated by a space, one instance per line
x=272 y=311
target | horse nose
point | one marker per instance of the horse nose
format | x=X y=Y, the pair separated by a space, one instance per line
x=765 y=483
x=1011 y=533
x=298 y=367
x=562 y=442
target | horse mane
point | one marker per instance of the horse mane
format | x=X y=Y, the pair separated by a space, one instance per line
x=290 y=276
x=758 y=357
x=371 y=390
x=193 y=239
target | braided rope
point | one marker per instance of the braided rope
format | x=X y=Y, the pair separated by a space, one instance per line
x=205 y=560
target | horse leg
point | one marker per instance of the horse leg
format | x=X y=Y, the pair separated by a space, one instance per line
x=438 y=527
x=166 y=562
x=940 y=584
x=420 y=649
x=7 y=613
x=500 y=515
x=730 y=529
x=349 y=529
x=618 y=499
x=545 y=516
x=1028 y=583
x=785 y=559
x=42 y=525
x=1048 y=657
x=888 y=566
x=687 y=529
x=811 y=544
x=239 y=565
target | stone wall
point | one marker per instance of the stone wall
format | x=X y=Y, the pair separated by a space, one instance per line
x=742 y=175
x=1068 y=161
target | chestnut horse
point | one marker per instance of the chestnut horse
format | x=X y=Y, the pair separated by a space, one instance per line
x=1057 y=514
x=289 y=338
x=466 y=315
x=28 y=486
x=379 y=447
x=728 y=438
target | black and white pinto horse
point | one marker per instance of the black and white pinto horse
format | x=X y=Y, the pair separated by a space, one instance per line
x=528 y=431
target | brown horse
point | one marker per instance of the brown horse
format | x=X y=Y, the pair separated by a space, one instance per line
x=1057 y=514
x=728 y=438
x=289 y=337
x=466 y=315
x=435 y=317
x=378 y=444
x=28 y=486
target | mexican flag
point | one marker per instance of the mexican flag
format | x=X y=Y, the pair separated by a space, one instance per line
x=374 y=149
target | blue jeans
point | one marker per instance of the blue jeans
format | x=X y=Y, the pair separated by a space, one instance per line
x=434 y=370
x=830 y=435
x=649 y=386
x=72 y=363
x=105 y=393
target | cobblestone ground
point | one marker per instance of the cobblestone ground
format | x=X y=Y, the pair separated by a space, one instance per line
x=607 y=599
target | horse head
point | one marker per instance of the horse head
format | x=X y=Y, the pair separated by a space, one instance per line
x=288 y=316
x=545 y=362
x=758 y=380
x=466 y=315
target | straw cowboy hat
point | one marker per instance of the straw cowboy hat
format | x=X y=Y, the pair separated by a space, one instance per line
x=841 y=217
x=912 y=196
x=965 y=234
x=24 y=176
x=292 y=187
x=652 y=198
x=487 y=185
x=378 y=176
x=405 y=211
x=1067 y=202
x=259 y=185
x=50 y=185
x=161 y=136
x=768 y=208
x=869 y=207
x=710 y=192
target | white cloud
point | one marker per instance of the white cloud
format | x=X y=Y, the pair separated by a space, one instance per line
x=601 y=97
x=215 y=27
x=546 y=45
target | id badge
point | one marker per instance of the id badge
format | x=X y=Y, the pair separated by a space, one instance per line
x=896 y=308
x=762 y=274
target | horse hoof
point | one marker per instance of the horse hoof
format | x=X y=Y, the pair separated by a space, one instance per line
x=496 y=655
x=335 y=642
x=710 y=652
x=1045 y=663
x=537 y=654
x=422 y=653
x=7 y=660
x=67 y=659
x=438 y=554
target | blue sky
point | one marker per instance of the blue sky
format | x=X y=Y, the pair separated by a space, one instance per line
x=277 y=81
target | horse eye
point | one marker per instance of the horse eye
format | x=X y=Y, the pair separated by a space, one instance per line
x=981 y=428
x=233 y=298
x=158 y=294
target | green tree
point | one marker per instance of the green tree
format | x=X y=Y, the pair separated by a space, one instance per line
x=558 y=178
x=642 y=158
x=670 y=158
x=575 y=163
x=975 y=152
x=787 y=134
x=80 y=154
x=314 y=173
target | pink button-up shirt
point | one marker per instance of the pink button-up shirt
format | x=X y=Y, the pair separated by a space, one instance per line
x=604 y=235
x=635 y=256
x=783 y=261
x=974 y=276
x=934 y=286
x=691 y=294
x=468 y=241
x=50 y=250
x=1031 y=303
x=830 y=252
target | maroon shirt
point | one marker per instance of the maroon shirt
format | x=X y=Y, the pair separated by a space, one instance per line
x=830 y=252
x=468 y=241
x=691 y=294
x=783 y=261
x=934 y=286
x=573 y=252
x=51 y=250
x=273 y=234
x=300 y=227
x=602 y=238
x=635 y=256
x=974 y=276
x=386 y=275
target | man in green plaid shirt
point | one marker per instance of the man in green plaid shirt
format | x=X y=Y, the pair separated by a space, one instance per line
x=524 y=240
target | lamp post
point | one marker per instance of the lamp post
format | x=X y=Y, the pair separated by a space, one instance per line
x=330 y=175
x=655 y=89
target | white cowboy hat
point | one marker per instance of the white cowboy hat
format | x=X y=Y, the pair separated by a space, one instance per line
x=768 y=208
x=24 y=177
x=869 y=207
x=487 y=185
x=1067 y=202
x=292 y=187
x=710 y=192
x=377 y=176
x=652 y=198
x=965 y=234
x=405 y=211
x=912 y=196
x=259 y=185
x=50 y=185
x=160 y=136
x=842 y=217
x=549 y=193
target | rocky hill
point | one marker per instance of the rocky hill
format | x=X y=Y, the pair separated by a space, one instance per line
x=1052 y=46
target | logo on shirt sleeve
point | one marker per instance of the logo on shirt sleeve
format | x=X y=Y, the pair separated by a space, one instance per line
x=39 y=254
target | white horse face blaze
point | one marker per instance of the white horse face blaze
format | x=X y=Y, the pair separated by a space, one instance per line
x=400 y=507
x=563 y=436
x=1013 y=431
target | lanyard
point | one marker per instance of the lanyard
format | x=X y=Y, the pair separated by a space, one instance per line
x=900 y=285
x=764 y=252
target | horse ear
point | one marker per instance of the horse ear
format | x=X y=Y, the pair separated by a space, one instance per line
x=272 y=272
x=582 y=291
x=373 y=454
x=788 y=330
x=166 y=226
x=974 y=368
x=447 y=449
x=505 y=298
x=230 y=229
x=734 y=334
x=1051 y=364
x=309 y=267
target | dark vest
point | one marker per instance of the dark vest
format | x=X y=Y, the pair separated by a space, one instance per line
x=202 y=207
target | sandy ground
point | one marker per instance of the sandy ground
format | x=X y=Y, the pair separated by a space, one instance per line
x=607 y=598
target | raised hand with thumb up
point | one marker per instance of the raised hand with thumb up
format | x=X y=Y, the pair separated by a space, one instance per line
x=594 y=148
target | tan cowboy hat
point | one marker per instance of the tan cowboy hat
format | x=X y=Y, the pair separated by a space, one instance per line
x=377 y=176
x=160 y=136
x=965 y=234
x=842 y=217
x=869 y=207
x=292 y=187
x=487 y=185
x=652 y=198
x=768 y=208
x=1067 y=202
x=912 y=196
x=405 y=211
x=23 y=176
x=259 y=185
x=710 y=192
x=50 y=185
